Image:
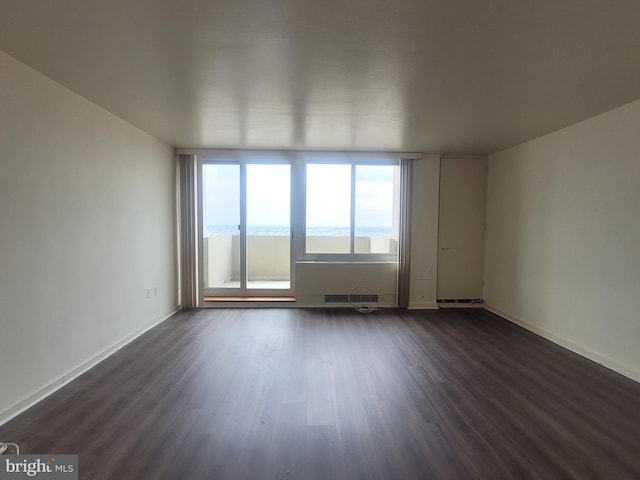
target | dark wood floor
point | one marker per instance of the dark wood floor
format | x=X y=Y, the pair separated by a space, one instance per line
x=333 y=394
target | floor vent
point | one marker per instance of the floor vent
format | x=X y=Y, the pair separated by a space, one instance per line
x=354 y=298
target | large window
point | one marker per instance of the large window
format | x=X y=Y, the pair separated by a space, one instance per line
x=260 y=214
x=352 y=209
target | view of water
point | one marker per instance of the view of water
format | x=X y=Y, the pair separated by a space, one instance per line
x=319 y=231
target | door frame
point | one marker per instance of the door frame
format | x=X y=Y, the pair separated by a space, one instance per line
x=243 y=291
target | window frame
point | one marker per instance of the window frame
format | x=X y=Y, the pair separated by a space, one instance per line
x=352 y=256
x=243 y=161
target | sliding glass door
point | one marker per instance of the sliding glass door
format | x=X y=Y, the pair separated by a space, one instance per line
x=246 y=220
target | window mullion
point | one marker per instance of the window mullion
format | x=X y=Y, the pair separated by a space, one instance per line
x=352 y=236
x=243 y=226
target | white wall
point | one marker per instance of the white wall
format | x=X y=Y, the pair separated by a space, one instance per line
x=86 y=215
x=563 y=237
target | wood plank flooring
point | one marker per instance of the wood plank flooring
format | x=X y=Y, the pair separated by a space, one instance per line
x=333 y=394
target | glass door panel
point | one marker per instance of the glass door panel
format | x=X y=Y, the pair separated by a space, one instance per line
x=221 y=226
x=268 y=226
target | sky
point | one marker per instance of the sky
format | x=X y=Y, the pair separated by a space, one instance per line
x=328 y=195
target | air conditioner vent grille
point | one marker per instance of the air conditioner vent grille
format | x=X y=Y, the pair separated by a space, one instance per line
x=354 y=298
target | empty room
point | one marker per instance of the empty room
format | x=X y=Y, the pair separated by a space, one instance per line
x=319 y=240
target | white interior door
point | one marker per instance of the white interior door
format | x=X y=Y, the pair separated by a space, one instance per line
x=461 y=228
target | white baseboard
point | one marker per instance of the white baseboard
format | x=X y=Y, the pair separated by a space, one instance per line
x=68 y=377
x=569 y=345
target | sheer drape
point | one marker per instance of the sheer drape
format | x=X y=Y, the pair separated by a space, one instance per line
x=404 y=246
x=188 y=230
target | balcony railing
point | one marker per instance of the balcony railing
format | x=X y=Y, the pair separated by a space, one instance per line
x=269 y=257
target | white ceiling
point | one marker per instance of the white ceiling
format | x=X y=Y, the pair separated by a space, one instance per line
x=456 y=76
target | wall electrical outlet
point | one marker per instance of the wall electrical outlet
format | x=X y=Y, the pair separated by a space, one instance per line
x=148 y=293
